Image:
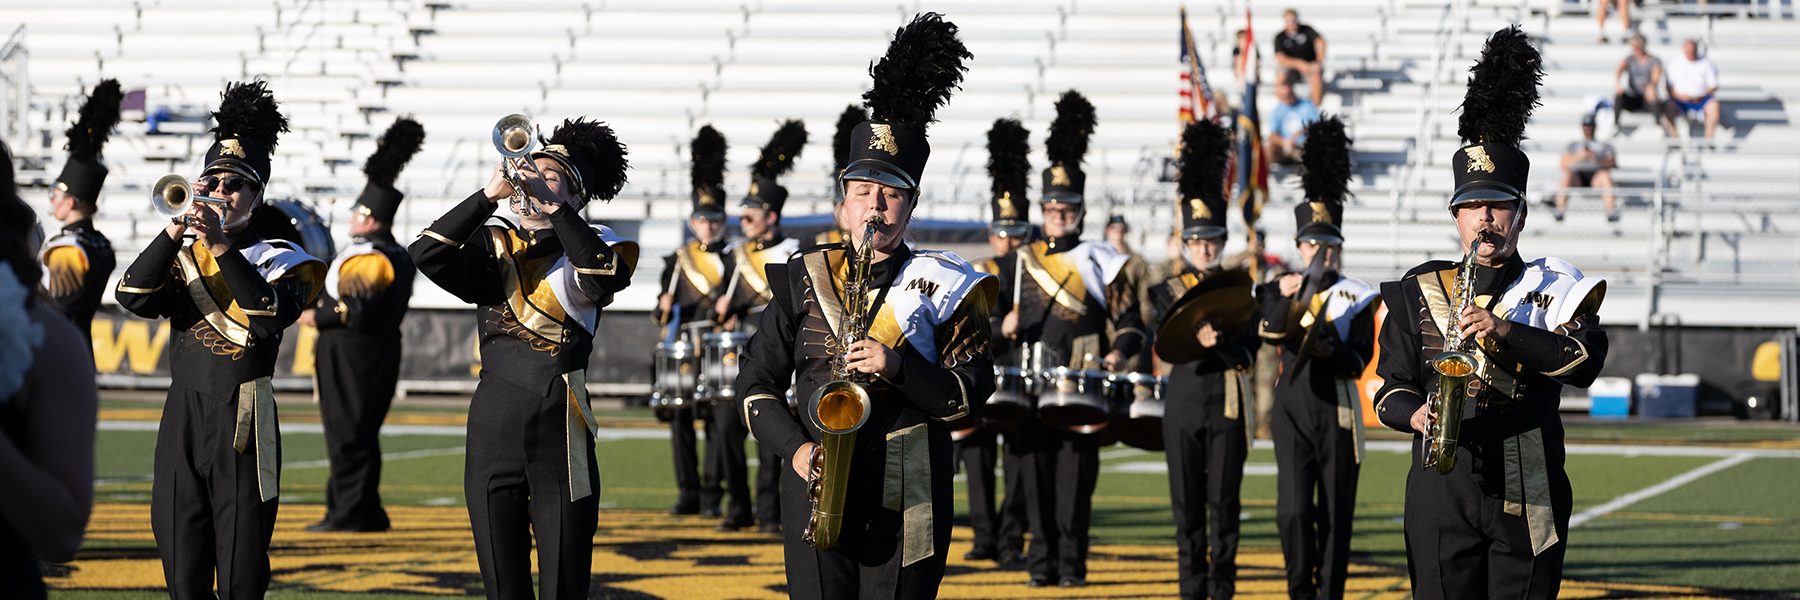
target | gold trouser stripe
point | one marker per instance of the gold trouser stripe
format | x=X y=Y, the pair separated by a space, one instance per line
x=906 y=489
x=138 y=290
x=1528 y=488
x=440 y=237
x=258 y=429
x=581 y=423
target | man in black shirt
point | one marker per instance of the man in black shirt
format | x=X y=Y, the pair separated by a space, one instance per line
x=1300 y=48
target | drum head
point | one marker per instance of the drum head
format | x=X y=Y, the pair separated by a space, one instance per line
x=290 y=220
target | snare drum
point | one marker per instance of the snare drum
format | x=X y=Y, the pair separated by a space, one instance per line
x=1072 y=399
x=719 y=371
x=674 y=375
x=1137 y=410
x=1012 y=398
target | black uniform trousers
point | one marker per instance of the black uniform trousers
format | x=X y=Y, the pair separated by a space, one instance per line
x=206 y=509
x=1206 y=453
x=1014 y=516
x=691 y=495
x=1459 y=535
x=727 y=460
x=1061 y=472
x=1315 y=502
x=768 y=485
x=516 y=478
x=976 y=454
x=357 y=373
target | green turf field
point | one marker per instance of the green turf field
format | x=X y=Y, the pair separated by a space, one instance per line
x=1734 y=529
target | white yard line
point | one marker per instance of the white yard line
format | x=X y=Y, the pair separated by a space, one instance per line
x=314 y=464
x=604 y=435
x=1672 y=483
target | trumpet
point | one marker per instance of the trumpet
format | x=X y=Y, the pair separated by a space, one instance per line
x=840 y=407
x=1455 y=365
x=515 y=136
x=172 y=196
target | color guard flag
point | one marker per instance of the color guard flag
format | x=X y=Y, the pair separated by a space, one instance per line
x=1196 y=95
x=1253 y=166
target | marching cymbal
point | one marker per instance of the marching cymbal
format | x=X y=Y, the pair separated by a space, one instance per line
x=1222 y=299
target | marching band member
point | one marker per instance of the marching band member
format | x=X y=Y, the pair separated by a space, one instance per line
x=538 y=290
x=357 y=356
x=840 y=151
x=1318 y=411
x=1000 y=537
x=78 y=260
x=693 y=281
x=1490 y=518
x=911 y=327
x=1079 y=305
x=229 y=294
x=1205 y=418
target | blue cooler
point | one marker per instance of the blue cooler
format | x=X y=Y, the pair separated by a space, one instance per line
x=1610 y=398
x=1668 y=396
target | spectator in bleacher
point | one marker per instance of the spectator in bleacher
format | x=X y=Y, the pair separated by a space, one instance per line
x=1692 y=82
x=1588 y=164
x=1624 y=15
x=1643 y=76
x=1287 y=125
x=1299 y=48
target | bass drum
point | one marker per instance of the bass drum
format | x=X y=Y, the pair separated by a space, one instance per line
x=284 y=219
x=1135 y=400
x=1072 y=399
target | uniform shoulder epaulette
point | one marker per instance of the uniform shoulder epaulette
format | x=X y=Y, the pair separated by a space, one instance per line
x=1556 y=265
x=1430 y=266
x=282 y=244
x=949 y=259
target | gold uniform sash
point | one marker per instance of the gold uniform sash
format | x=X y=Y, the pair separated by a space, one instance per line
x=258 y=428
x=527 y=286
x=750 y=267
x=1056 y=275
x=703 y=270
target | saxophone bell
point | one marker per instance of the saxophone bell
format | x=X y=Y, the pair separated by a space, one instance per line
x=841 y=406
x=1455 y=365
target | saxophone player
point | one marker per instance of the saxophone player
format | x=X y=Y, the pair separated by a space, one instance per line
x=924 y=360
x=1496 y=524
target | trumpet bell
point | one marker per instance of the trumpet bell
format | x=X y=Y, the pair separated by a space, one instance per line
x=171 y=195
x=514 y=136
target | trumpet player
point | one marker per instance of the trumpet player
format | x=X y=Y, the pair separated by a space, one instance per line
x=538 y=291
x=1487 y=511
x=79 y=259
x=1324 y=324
x=907 y=328
x=229 y=294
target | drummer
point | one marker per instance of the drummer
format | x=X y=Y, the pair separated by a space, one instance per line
x=741 y=307
x=1066 y=308
x=1003 y=539
x=693 y=280
x=1205 y=414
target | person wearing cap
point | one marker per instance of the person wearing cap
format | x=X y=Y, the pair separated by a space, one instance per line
x=1317 y=417
x=746 y=296
x=1588 y=163
x=1079 y=305
x=228 y=297
x=694 y=279
x=1493 y=522
x=357 y=355
x=538 y=291
x=1000 y=536
x=925 y=359
x=1136 y=267
x=1206 y=413
x=79 y=259
x=1267 y=367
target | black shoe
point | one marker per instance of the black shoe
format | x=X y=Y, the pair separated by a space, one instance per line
x=730 y=526
x=322 y=527
x=980 y=554
x=711 y=513
x=769 y=528
x=1072 y=582
x=684 y=510
x=1010 y=558
x=1038 y=582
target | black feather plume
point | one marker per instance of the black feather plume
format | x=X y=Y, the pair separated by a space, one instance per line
x=708 y=154
x=1009 y=160
x=778 y=155
x=1205 y=149
x=402 y=140
x=247 y=111
x=1069 y=133
x=1503 y=90
x=605 y=154
x=1325 y=161
x=840 y=143
x=923 y=65
x=99 y=115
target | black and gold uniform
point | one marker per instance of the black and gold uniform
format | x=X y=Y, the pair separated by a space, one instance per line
x=930 y=308
x=1317 y=418
x=357 y=356
x=538 y=294
x=79 y=259
x=749 y=295
x=218 y=449
x=696 y=275
x=1207 y=424
x=1079 y=304
x=1497 y=524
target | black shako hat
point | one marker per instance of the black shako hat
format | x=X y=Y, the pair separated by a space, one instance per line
x=1325 y=178
x=1066 y=147
x=840 y=146
x=923 y=65
x=379 y=199
x=777 y=159
x=1503 y=90
x=1009 y=166
x=593 y=156
x=84 y=174
x=707 y=173
x=1205 y=148
x=248 y=126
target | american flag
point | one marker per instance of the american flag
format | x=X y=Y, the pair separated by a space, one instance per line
x=1196 y=95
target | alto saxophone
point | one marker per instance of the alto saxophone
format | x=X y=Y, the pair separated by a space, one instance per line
x=1455 y=365
x=841 y=406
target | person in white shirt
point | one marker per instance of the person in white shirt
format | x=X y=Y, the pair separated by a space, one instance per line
x=1691 y=82
x=1588 y=164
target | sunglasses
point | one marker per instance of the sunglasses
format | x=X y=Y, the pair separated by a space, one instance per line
x=229 y=184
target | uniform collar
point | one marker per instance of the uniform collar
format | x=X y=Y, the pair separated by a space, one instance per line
x=243 y=238
x=80 y=226
x=761 y=245
x=883 y=273
x=1493 y=280
x=382 y=236
x=1060 y=244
